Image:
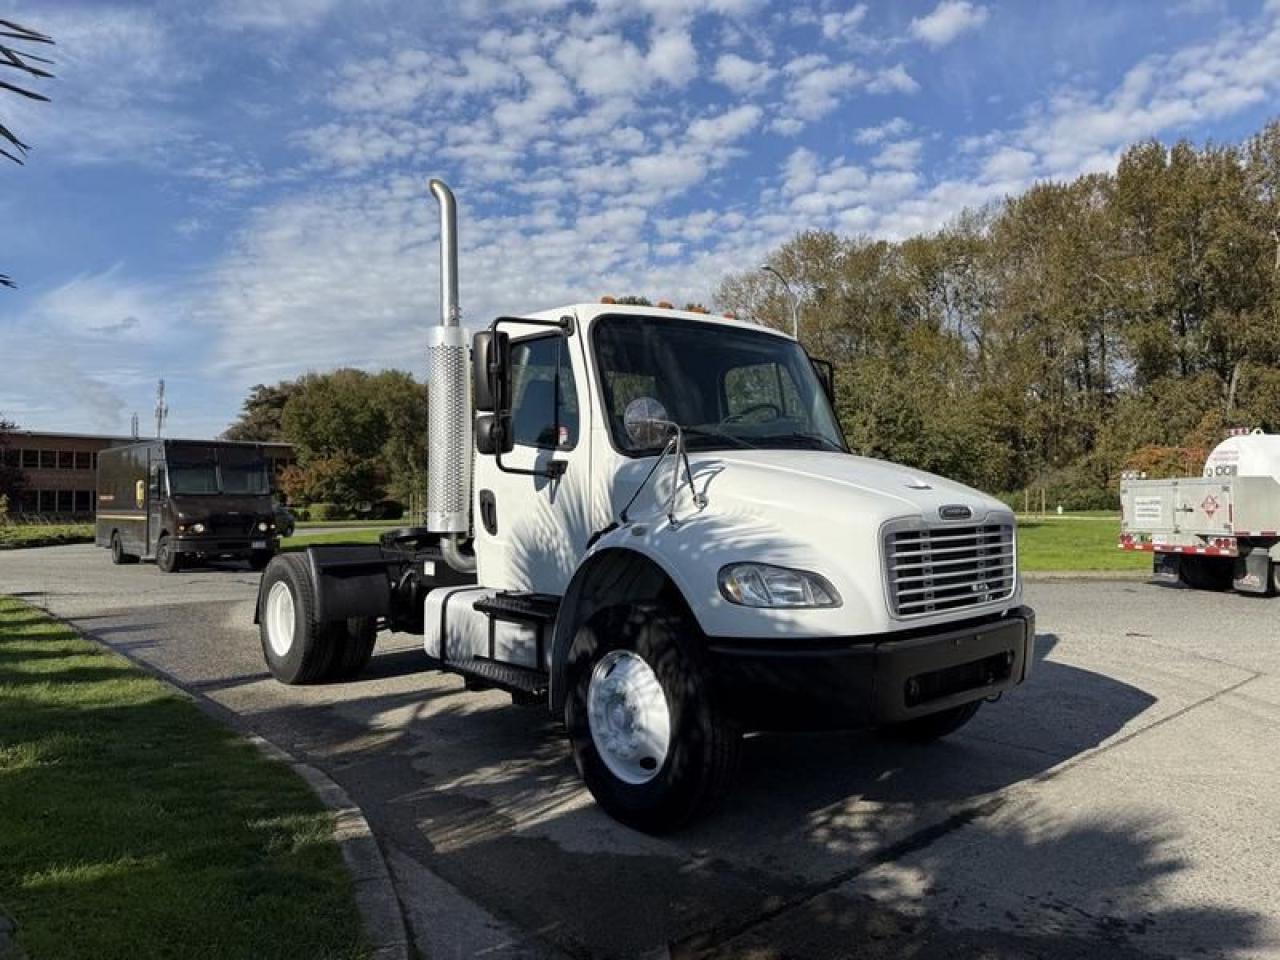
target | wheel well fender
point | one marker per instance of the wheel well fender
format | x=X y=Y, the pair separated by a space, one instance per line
x=608 y=578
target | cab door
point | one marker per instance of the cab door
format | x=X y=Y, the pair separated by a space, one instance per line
x=531 y=529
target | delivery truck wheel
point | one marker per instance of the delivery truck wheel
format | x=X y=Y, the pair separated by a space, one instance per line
x=647 y=738
x=118 y=556
x=933 y=726
x=167 y=557
x=297 y=649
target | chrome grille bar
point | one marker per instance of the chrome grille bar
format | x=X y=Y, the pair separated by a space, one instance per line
x=935 y=569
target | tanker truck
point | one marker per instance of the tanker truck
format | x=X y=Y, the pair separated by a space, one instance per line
x=1218 y=531
x=648 y=521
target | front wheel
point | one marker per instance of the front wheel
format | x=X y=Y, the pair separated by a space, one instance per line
x=646 y=735
x=167 y=557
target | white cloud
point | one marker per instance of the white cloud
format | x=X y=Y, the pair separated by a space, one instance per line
x=903 y=155
x=1009 y=163
x=895 y=127
x=815 y=87
x=836 y=26
x=672 y=57
x=949 y=19
x=893 y=79
x=271 y=14
x=742 y=75
x=725 y=128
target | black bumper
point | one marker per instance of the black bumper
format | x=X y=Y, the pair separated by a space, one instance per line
x=215 y=546
x=847 y=683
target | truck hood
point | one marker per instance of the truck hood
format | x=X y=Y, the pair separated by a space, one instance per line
x=828 y=483
x=809 y=510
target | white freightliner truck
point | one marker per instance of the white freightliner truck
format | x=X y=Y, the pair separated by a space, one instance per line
x=654 y=527
x=1216 y=531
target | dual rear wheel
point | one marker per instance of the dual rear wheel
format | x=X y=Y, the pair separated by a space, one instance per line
x=298 y=649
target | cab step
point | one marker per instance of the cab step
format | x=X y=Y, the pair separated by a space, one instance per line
x=521 y=682
x=539 y=608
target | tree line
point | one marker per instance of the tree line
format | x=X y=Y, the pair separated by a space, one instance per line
x=1050 y=341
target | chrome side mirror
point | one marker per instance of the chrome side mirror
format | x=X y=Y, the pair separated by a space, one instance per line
x=646 y=422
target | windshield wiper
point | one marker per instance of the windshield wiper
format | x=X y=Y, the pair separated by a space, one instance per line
x=718 y=435
x=825 y=442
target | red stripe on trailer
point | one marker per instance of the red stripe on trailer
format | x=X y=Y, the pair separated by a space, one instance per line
x=1267 y=533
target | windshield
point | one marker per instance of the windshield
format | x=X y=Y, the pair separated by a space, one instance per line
x=193 y=471
x=728 y=388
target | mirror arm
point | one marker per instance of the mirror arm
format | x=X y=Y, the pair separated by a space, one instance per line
x=564 y=324
x=554 y=469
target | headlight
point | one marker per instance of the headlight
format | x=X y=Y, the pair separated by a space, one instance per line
x=764 y=585
x=197 y=528
x=262 y=525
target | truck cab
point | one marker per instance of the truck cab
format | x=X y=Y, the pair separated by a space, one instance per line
x=653 y=525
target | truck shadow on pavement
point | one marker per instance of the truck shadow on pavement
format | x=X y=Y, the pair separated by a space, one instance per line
x=832 y=845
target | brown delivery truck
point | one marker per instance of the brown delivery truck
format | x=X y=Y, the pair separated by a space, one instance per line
x=176 y=501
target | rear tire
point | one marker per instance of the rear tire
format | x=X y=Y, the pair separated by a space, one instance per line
x=630 y=722
x=1275 y=579
x=167 y=557
x=932 y=726
x=297 y=649
x=1206 y=573
x=118 y=556
x=353 y=642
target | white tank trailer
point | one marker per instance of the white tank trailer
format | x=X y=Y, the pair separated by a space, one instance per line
x=1218 y=531
x=648 y=522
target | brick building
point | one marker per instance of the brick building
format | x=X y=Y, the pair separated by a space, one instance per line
x=61 y=470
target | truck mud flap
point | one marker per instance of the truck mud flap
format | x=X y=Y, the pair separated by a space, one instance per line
x=350 y=581
x=1164 y=566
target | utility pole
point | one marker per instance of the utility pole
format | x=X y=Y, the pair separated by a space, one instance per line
x=792 y=295
x=162 y=409
x=133 y=425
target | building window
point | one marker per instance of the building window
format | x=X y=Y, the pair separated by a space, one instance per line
x=30 y=501
x=84 y=460
x=66 y=501
x=12 y=458
x=30 y=459
x=84 y=501
x=48 y=459
x=66 y=460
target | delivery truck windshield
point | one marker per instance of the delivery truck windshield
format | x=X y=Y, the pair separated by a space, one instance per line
x=195 y=471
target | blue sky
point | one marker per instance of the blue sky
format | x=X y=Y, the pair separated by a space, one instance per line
x=233 y=191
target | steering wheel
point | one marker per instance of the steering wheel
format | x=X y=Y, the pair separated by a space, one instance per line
x=741 y=414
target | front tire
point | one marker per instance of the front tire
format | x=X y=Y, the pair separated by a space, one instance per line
x=647 y=737
x=167 y=557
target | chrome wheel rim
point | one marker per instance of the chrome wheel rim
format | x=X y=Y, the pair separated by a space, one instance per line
x=629 y=717
x=280 y=618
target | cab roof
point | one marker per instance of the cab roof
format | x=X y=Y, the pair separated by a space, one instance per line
x=587 y=312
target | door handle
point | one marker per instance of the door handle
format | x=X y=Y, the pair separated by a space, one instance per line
x=489 y=512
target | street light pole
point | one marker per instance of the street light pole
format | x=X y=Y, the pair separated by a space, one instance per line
x=794 y=297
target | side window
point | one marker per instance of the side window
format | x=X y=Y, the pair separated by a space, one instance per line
x=544 y=411
x=761 y=390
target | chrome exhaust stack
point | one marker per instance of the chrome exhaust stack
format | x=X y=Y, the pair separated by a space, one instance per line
x=449 y=445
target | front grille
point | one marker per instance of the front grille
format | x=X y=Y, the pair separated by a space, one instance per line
x=935 y=569
x=231 y=525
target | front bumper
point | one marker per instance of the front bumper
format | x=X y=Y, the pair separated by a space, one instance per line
x=853 y=682
x=214 y=545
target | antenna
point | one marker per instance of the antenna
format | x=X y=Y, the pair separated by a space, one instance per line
x=162 y=409
x=133 y=425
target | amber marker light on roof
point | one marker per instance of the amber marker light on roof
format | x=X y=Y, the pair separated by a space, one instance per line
x=664 y=305
x=608 y=300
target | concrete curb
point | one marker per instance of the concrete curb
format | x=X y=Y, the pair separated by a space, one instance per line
x=1048 y=576
x=376 y=898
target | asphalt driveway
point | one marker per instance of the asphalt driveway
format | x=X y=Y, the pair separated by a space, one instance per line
x=1123 y=803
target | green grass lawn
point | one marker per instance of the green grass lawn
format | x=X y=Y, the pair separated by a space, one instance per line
x=15 y=536
x=1085 y=542
x=304 y=524
x=1075 y=542
x=133 y=825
